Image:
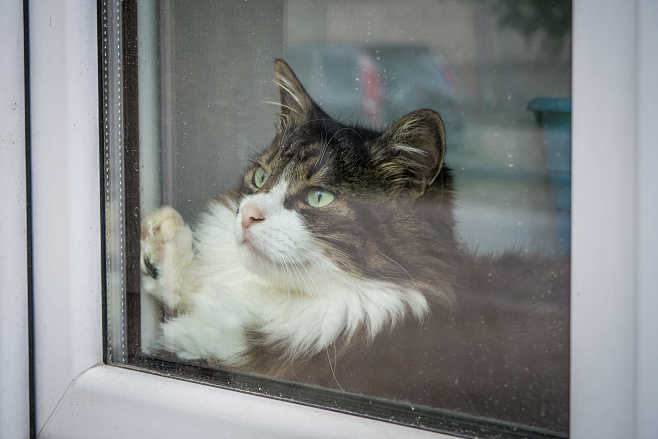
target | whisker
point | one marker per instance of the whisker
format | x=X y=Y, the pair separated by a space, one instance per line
x=288 y=107
x=413 y=281
x=292 y=95
x=333 y=371
x=325 y=147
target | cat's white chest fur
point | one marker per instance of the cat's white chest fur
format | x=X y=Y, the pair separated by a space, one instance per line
x=221 y=295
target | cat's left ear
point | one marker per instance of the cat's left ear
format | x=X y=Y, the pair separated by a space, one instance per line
x=409 y=156
x=296 y=104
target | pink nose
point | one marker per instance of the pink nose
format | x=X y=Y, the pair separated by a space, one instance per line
x=251 y=214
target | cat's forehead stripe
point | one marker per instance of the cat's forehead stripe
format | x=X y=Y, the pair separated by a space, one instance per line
x=304 y=163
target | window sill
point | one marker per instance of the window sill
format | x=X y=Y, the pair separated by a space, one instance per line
x=114 y=402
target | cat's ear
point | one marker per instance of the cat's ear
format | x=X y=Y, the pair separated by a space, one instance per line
x=409 y=156
x=296 y=104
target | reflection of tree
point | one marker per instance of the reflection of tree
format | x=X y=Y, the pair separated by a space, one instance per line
x=550 y=19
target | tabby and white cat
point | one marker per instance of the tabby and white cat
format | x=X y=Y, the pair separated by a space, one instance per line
x=336 y=232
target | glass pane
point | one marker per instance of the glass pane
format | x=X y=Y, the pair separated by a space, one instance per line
x=359 y=204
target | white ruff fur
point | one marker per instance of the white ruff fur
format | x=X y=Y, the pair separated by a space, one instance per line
x=273 y=279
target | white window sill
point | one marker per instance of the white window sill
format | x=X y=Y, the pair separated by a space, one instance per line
x=110 y=402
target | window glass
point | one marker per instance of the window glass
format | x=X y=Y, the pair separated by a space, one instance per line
x=362 y=205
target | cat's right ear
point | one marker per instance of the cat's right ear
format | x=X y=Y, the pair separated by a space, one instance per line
x=296 y=104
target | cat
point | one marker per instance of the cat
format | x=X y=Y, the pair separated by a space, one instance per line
x=335 y=263
x=335 y=233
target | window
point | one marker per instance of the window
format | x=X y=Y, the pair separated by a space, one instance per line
x=76 y=348
x=438 y=291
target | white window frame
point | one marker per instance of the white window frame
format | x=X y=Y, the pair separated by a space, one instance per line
x=14 y=363
x=614 y=386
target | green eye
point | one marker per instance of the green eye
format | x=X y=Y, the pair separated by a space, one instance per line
x=319 y=198
x=260 y=177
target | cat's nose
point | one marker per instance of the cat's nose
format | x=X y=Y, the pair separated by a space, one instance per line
x=251 y=214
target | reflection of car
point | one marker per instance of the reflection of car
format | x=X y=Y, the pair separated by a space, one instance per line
x=376 y=84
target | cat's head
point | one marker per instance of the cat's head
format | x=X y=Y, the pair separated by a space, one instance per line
x=328 y=196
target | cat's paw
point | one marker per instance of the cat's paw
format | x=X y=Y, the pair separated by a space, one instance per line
x=166 y=249
x=158 y=229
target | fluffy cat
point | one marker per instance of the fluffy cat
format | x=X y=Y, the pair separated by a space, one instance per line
x=335 y=230
x=335 y=264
